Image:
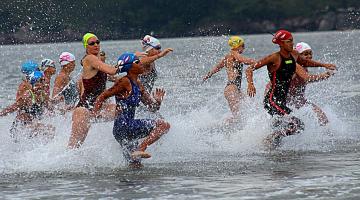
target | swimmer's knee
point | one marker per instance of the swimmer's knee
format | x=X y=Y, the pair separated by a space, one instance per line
x=299 y=125
x=167 y=125
x=81 y=112
x=163 y=124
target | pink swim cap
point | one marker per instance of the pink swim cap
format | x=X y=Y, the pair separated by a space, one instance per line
x=65 y=58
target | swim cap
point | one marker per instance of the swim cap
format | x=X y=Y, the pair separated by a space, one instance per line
x=45 y=63
x=149 y=42
x=28 y=67
x=235 y=42
x=86 y=37
x=302 y=46
x=126 y=60
x=281 y=35
x=66 y=58
x=35 y=77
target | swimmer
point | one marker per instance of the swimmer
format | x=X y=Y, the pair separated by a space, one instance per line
x=48 y=68
x=152 y=47
x=128 y=92
x=233 y=62
x=30 y=107
x=281 y=67
x=65 y=89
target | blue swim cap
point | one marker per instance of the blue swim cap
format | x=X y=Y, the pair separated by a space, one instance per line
x=126 y=60
x=28 y=67
x=35 y=77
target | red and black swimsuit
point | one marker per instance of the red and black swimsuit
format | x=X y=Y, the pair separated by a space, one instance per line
x=93 y=87
x=275 y=99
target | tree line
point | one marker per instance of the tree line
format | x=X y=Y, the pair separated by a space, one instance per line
x=65 y=20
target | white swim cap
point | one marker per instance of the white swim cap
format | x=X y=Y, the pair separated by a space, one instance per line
x=149 y=43
x=302 y=46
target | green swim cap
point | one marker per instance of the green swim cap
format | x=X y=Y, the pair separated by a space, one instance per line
x=86 y=37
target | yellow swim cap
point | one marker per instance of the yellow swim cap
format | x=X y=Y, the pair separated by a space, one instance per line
x=235 y=42
x=86 y=37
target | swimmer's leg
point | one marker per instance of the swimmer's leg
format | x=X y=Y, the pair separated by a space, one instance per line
x=161 y=127
x=284 y=126
x=233 y=97
x=323 y=120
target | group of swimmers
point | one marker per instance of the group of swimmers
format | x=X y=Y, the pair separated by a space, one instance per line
x=87 y=97
x=288 y=76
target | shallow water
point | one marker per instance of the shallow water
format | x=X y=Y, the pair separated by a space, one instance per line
x=200 y=157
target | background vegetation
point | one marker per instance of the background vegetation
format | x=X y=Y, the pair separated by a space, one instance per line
x=65 y=20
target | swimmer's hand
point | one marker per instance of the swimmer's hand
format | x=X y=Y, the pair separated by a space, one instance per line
x=140 y=54
x=207 y=77
x=329 y=73
x=159 y=95
x=330 y=66
x=251 y=90
x=165 y=52
x=94 y=113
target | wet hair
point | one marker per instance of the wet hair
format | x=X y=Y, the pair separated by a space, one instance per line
x=102 y=53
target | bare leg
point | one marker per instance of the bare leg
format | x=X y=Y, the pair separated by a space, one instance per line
x=160 y=129
x=323 y=120
x=42 y=129
x=233 y=96
x=108 y=112
x=288 y=126
x=80 y=127
x=81 y=123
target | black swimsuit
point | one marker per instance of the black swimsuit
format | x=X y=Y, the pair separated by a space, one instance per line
x=71 y=93
x=35 y=111
x=238 y=67
x=275 y=99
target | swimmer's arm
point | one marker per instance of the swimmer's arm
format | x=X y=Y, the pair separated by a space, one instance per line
x=251 y=90
x=17 y=105
x=112 y=78
x=116 y=89
x=243 y=59
x=300 y=71
x=80 y=86
x=216 y=69
x=99 y=65
x=151 y=59
x=59 y=85
x=10 y=109
x=152 y=104
x=21 y=90
x=313 y=63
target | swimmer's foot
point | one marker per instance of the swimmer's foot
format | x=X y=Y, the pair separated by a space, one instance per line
x=136 y=165
x=140 y=154
x=272 y=142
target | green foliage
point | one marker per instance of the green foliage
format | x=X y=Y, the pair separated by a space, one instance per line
x=119 y=19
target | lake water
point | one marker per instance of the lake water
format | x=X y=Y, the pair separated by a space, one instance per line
x=200 y=157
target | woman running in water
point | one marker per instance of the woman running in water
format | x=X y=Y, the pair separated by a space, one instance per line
x=128 y=92
x=296 y=96
x=233 y=62
x=49 y=69
x=65 y=89
x=27 y=68
x=281 y=67
x=30 y=106
x=94 y=77
x=152 y=47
